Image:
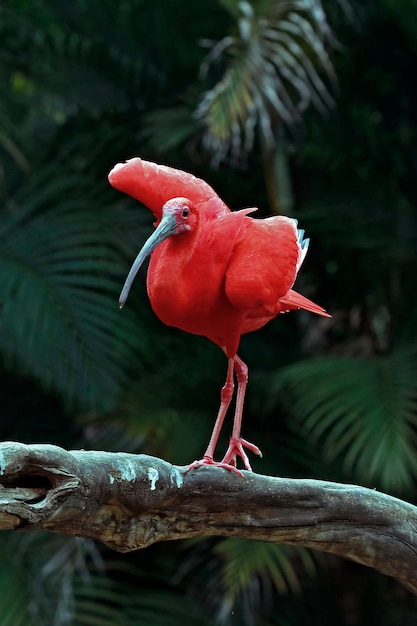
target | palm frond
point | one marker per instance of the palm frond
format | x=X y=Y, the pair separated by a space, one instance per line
x=106 y=602
x=273 y=72
x=14 y=589
x=60 y=270
x=37 y=573
x=169 y=128
x=238 y=576
x=362 y=411
x=109 y=599
x=63 y=66
x=59 y=580
x=244 y=560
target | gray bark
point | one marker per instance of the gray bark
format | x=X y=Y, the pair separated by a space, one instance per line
x=131 y=501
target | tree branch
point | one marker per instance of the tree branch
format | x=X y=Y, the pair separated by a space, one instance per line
x=131 y=501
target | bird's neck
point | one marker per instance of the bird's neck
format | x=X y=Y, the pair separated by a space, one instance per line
x=173 y=254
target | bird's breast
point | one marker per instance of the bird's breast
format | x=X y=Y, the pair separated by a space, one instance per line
x=190 y=295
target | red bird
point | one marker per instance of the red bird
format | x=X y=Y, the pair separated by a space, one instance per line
x=213 y=272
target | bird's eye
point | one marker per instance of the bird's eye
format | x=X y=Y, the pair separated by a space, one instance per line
x=185 y=212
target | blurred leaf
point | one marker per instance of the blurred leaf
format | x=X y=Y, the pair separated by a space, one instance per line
x=14 y=594
x=169 y=128
x=361 y=410
x=125 y=596
x=37 y=572
x=272 y=73
x=235 y=575
x=60 y=271
x=244 y=560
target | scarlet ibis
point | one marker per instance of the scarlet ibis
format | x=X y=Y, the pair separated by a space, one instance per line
x=213 y=272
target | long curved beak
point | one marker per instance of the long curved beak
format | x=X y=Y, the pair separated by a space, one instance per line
x=166 y=228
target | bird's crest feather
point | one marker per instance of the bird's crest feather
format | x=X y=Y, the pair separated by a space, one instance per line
x=154 y=184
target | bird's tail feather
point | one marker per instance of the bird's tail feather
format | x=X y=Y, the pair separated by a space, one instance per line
x=293 y=300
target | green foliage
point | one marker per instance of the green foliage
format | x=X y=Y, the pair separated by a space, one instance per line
x=272 y=74
x=372 y=431
x=245 y=560
x=14 y=595
x=272 y=67
x=233 y=577
x=37 y=572
x=105 y=602
x=60 y=269
x=50 y=579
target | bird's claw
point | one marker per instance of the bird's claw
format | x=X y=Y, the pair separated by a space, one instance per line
x=236 y=448
x=208 y=460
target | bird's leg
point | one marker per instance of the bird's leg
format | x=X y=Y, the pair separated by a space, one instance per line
x=226 y=395
x=237 y=444
x=225 y=399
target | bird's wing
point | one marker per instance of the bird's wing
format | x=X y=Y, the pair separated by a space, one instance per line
x=263 y=266
x=154 y=184
x=219 y=235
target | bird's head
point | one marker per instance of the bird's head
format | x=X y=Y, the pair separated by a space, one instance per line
x=182 y=213
x=179 y=216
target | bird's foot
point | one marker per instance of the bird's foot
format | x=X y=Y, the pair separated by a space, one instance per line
x=236 y=448
x=208 y=460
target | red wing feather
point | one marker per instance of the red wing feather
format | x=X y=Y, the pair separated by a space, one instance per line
x=154 y=184
x=263 y=266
